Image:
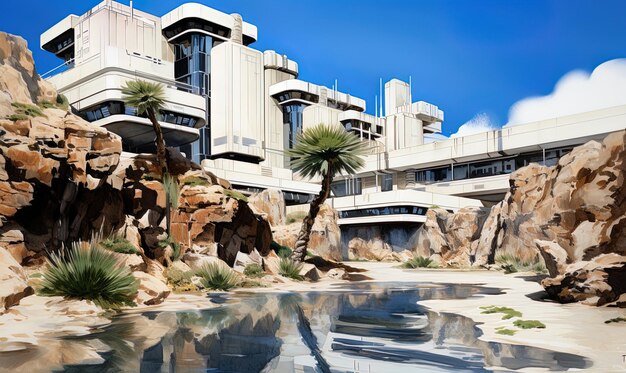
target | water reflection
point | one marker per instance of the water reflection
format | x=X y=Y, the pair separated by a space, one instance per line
x=363 y=328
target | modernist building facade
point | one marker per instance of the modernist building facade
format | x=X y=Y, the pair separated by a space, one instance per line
x=236 y=110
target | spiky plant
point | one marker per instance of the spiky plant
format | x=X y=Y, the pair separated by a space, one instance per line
x=86 y=271
x=217 y=277
x=419 y=262
x=148 y=98
x=290 y=268
x=326 y=151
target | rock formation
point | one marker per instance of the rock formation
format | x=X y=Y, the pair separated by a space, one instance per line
x=447 y=237
x=63 y=179
x=325 y=238
x=572 y=215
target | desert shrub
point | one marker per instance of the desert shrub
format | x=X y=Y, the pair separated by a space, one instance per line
x=195 y=181
x=217 y=277
x=46 y=104
x=505 y=331
x=236 y=195
x=27 y=109
x=176 y=277
x=247 y=283
x=118 y=244
x=280 y=250
x=508 y=312
x=419 y=262
x=432 y=207
x=253 y=270
x=16 y=117
x=512 y=264
x=529 y=324
x=169 y=241
x=289 y=268
x=62 y=102
x=609 y=321
x=297 y=216
x=89 y=272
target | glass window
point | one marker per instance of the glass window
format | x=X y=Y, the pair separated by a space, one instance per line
x=386 y=182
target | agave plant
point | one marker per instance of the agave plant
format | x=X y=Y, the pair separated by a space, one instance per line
x=419 y=262
x=87 y=271
x=326 y=151
x=290 y=268
x=217 y=277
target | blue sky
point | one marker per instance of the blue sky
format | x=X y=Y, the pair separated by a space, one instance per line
x=467 y=57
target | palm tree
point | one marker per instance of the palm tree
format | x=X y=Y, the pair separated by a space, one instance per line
x=325 y=151
x=149 y=99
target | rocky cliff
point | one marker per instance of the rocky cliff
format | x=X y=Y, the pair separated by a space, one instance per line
x=62 y=179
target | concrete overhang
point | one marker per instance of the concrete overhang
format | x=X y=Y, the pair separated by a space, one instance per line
x=302 y=86
x=273 y=60
x=66 y=24
x=195 y=10
x=138 y=131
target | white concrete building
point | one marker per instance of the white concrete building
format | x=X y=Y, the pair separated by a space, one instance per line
x=235 y=110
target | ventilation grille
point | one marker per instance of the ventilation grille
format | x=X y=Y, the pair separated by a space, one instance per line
x=266 y=171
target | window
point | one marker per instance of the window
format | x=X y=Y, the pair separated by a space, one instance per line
x=386 y=182
x=292 y=117
x=347 y=187
x=381 y=211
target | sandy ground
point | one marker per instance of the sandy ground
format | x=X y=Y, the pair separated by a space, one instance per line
x=572 y=328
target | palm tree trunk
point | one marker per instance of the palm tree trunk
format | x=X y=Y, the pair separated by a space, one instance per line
x=161 y=159
x=160 y=142
x=299 y=252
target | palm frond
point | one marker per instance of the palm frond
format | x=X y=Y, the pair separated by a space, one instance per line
x=144 y=95
x=318 y=147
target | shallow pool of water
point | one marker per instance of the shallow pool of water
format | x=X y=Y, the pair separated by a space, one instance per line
x=373 y=327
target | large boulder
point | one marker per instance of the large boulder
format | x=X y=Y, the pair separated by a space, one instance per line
x=447 y=237
x=13 y=281
x=271 y=203
x=375 y=249
x=325 y=238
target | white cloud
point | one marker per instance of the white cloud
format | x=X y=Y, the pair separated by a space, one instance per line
x=480 y=123
x=576 y=92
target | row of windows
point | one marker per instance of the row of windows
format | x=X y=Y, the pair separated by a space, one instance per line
x=193 y=62
x=381 y=211
x=115 y=107
x=290 y=95
x=198 y=24
x=488 y=168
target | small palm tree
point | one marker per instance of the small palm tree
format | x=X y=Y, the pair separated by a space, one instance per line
x=326 y=151
x=149 y=98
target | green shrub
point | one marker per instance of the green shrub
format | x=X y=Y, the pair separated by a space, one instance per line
x=609 y=321
x=46 y=104
x=176 y=277
x=297 y=216
x=27 y=109
x=289 y=268
x=505 y=331
x=169 y=241
x=217 y=277
x=172 y=190
x=280 y=250
x=119 y=245
x=247 y=283
x=62 y=102
x=253 y=270
x=432 y=207
x=89 y=273
x=419 y=262
x=236 y=195
x=529 y=324
x=509 y=313
x=512 y=264
x=195 y=181
x=16 y=117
